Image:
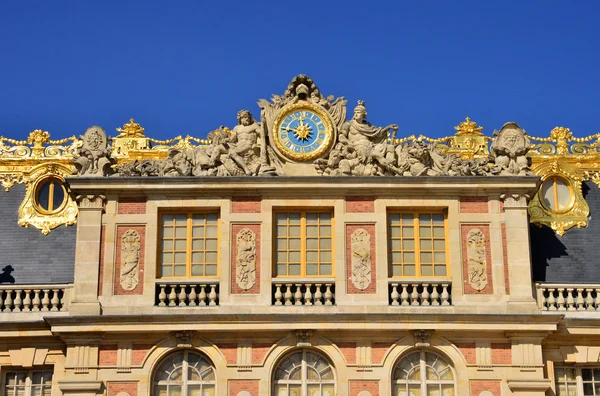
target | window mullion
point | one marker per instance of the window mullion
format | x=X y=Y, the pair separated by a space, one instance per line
x=51 y=197
x=417 y=235
x=579 y=378
x=423 y=369
x=303 y=244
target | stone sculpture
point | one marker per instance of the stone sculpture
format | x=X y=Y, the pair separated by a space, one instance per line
x=361 y=258
x=477 y=262
x=246 y=259
x=130 y=259
x=94 y=155
x=510 y=147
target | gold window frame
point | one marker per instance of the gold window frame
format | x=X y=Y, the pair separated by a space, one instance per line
x=189 y=239
x=303 y=237
x=417 y=242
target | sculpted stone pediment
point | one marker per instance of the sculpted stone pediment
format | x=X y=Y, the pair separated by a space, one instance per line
x=303 y=132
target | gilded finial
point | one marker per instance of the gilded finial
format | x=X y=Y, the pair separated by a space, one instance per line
x=561 y=133
x=131 y=130
x=468 y=127
x=38 y=138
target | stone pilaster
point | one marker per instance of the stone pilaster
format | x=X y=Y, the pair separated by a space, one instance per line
x=517 y=245
x=87 y=256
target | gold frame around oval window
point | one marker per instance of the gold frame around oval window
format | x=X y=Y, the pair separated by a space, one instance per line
x=31 y=214
x=576 y=214
x=304 y=157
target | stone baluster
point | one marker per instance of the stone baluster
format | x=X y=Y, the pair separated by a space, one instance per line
x=27 y=301
x=182 y=296
x=596 y=304
x=551 y=300
x=298 y=295
x=192 y=296
x=435 y=295
x=2 y=293
x=63 y=301
x=162 y=296
x=414 y=296
x=308 y=295
x=8 y=301
x=212 y=296
x=18 y=301
x=36 y=300
x=55 y=300
x=561 y=299
x=404 y=295
x=445 y=294
x=278 y=294
x=288 y=294
x=318 y=295
x=395 y=295
x=579 y=301
x=589 y=300
x=425 y=295
x=570 y=300
x=202 y=296
x=46 y=300
x=172 y=296
x=328 y=294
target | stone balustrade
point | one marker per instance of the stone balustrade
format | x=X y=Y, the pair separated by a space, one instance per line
x=302 y=292
x=34 y=298
x=187 y=294
x=568 y=297
x=420 y=292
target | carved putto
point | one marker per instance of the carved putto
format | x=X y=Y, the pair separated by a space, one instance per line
x=130 y=260
x=510 y=147
x=246 y=259
x=94 y=155
x=361 y=258
x=477 y=261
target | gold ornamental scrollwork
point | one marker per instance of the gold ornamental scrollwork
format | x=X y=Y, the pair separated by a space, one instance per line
x=575 y=212
x=31 y=213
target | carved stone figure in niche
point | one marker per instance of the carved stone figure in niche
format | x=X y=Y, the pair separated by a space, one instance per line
x=477 y=262
x=130 y=259
x=510 y=147
x=367 y=146
x=246 y=259
x=93 y=154
x=361 y=258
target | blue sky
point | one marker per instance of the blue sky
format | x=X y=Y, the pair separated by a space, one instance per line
x=186 y=67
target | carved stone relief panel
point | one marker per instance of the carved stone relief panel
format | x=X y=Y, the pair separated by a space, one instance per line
x=129 y=261
x=477 y=263
x=360 y=258
x=477 y=259
x=245 y=259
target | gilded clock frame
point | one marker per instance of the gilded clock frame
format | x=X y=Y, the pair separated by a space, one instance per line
x=304 y=157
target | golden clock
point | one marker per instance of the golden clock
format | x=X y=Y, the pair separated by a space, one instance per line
x=303 y=131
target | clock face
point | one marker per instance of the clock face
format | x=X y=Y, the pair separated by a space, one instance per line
x=303 y=132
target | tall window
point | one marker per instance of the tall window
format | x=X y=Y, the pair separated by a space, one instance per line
x=417 y=244
x=423 y=373
x=303 y=244
x=185 y=373
x=28 y=383
x=189 y=245
x=577 y=381
x=304 y=373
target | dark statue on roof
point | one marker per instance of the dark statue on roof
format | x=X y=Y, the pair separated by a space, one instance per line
x=303 y=132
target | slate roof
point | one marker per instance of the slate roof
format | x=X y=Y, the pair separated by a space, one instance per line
x=574 y=257
x=35 y=258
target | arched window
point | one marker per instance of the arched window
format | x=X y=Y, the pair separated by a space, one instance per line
x=423 y=373
x=184 y=373
x=304 y=373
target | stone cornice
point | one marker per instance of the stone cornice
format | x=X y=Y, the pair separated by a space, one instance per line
x=438 y=185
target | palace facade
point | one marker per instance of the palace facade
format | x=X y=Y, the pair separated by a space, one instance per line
x=307 y=253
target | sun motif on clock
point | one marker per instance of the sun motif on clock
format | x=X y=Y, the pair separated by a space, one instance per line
x=303 y=131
